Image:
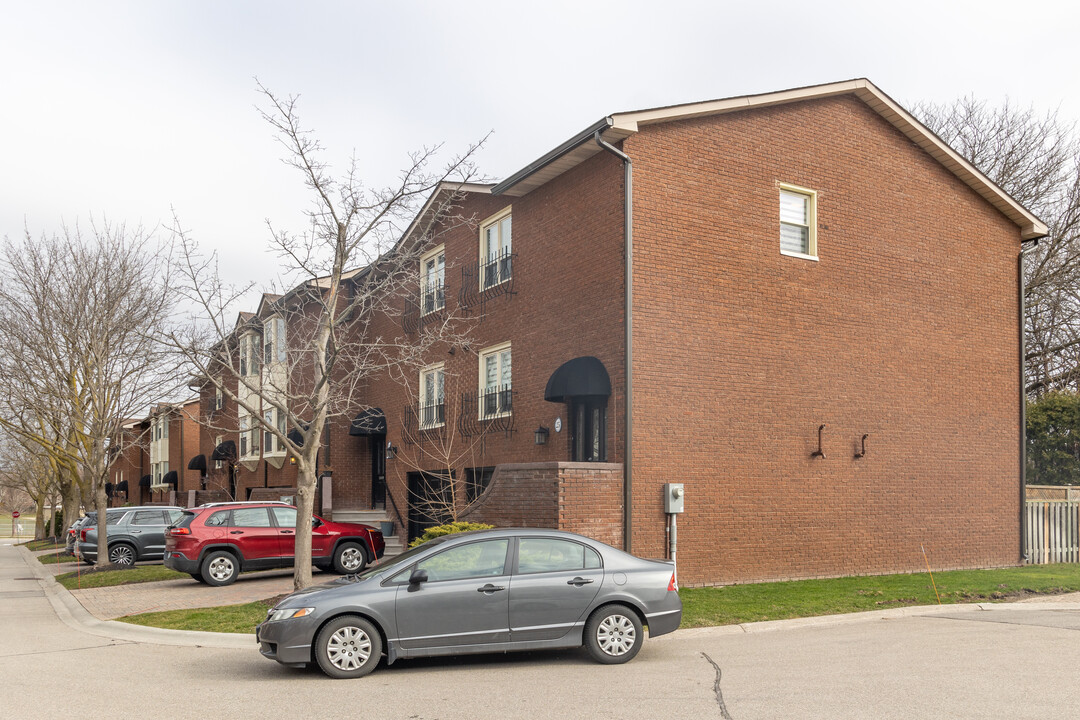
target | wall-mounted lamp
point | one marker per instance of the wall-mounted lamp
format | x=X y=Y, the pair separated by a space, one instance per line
x=819 y=452
x=862 y=453
x=541 y=434
x=292 y=459
x=391 y=451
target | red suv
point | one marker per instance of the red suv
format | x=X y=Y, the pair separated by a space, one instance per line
x=213 y=543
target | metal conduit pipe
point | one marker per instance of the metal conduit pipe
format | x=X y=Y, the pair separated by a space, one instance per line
x=1023 y=397
x=628 y=321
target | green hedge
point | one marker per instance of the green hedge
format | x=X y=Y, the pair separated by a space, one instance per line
x=448 y=529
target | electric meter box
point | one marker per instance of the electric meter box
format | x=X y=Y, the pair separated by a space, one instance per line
x=673 y=497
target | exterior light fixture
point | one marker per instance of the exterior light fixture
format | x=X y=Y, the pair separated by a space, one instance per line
x=541 y=434
x=391 y=451
x=292 y=459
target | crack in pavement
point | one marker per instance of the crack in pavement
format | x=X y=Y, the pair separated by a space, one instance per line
x=996 y=621
x=76 y=649
x=716 y=688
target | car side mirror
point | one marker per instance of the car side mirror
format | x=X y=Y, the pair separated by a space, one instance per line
x=417 y=577
x=315 y=522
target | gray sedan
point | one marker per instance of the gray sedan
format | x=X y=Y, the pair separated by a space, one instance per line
x=476 y=592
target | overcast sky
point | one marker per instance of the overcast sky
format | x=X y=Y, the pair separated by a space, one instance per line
x=127 y=109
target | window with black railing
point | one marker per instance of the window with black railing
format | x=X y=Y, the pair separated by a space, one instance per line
x=432 y=415
x=497 y=401
x=433 y=297
x=498 y=268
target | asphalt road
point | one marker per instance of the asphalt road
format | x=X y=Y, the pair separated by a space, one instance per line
x=1015 y=661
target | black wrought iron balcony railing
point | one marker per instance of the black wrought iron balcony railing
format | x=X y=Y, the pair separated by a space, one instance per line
x=423 y=308
x=483 y=413
x=485 y=280
x=424 y=422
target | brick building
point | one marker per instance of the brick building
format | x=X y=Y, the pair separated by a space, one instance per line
x=822 y=324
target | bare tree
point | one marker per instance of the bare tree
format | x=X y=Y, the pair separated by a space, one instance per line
x=28 y=474
x=304 y=359
x=81 y=318
x=446 y=427
x=1036 y=159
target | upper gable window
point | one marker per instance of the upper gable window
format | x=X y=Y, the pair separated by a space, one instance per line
x=274 y=340
x=495 y=249
x=798 y=222
x=249 y=355
x=432 y=280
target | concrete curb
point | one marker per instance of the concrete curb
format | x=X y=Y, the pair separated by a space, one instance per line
x=74 y=615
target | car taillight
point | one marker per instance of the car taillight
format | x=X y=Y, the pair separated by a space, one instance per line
x=82 y=535
x=179 y=531
x=671 y=587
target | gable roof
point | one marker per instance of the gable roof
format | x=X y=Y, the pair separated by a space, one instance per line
x=620 y=126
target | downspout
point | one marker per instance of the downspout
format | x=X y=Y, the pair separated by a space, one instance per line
x=628 y=321
x=1023 y=399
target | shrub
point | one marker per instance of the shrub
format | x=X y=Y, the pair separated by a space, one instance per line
x=448 y=529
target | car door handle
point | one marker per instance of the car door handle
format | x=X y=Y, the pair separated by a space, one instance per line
x=236 y=532
x=489 y=588
x=135 y=532
x=286 y=532
x=579 y=581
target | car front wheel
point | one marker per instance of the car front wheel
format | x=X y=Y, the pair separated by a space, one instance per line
x=613 y=635
x=348 y=647
x=349 y=558
x=220 y=568
x=121 y=554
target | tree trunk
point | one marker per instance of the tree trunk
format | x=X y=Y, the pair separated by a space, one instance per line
x=101 y=502
x=305 y=491
x=39 y=523
x=72 y=498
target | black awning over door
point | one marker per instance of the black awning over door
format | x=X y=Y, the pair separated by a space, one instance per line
x=225 y=452
x=580 y=377
x=369 y=422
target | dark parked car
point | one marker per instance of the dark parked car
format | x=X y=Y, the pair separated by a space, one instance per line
x=134 y=533
x=476 y=592
x=214 y=543
x=72 y=536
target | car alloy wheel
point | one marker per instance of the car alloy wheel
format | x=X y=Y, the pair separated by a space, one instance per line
x=350 y=558
x=348 y=647
x=613 y=634
x=122 y=555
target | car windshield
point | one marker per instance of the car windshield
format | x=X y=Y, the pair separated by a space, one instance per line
x=399 y=561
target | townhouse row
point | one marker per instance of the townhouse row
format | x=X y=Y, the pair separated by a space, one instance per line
x=802 y=305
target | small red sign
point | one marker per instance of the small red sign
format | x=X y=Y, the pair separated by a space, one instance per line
x=14 y=513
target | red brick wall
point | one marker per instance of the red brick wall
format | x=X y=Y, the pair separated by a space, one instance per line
x=906 y=329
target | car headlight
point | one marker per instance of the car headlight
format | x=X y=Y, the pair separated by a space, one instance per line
x=288 y=613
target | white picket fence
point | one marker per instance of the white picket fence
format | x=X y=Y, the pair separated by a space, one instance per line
x=1053 y=532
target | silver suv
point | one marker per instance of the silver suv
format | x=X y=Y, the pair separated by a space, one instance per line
x=135 y=533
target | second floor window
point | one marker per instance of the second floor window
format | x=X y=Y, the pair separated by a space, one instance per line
x=432 y=281
x=249 y=437
x=798 y=211
x=495 y=250
x=496 y=385
x=432 y=397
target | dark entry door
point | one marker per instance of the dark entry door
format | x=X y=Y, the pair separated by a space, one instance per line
x=378 y=471
x=427 y=501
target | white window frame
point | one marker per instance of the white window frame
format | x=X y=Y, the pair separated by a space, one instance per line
x=272 y=445
x=217 y=442
x=426 y=376
x=440 y=297
x=249 y=435
x=273 y=339
x=811 y=212
x=219 y=398
x=250 y=354
x=495 y=221
x=496 y=351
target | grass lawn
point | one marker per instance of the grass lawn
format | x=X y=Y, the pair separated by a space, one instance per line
x=91 y=578
x=35 y=545
x=806 y=598
x=25 y=520
x=56 y=558
x=750 y=603
x=226 y=618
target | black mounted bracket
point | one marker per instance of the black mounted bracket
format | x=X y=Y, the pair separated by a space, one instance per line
x=862 y=453
x=819 y=452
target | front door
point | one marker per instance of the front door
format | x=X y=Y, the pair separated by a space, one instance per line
x=378 y=471
x=465 y=600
